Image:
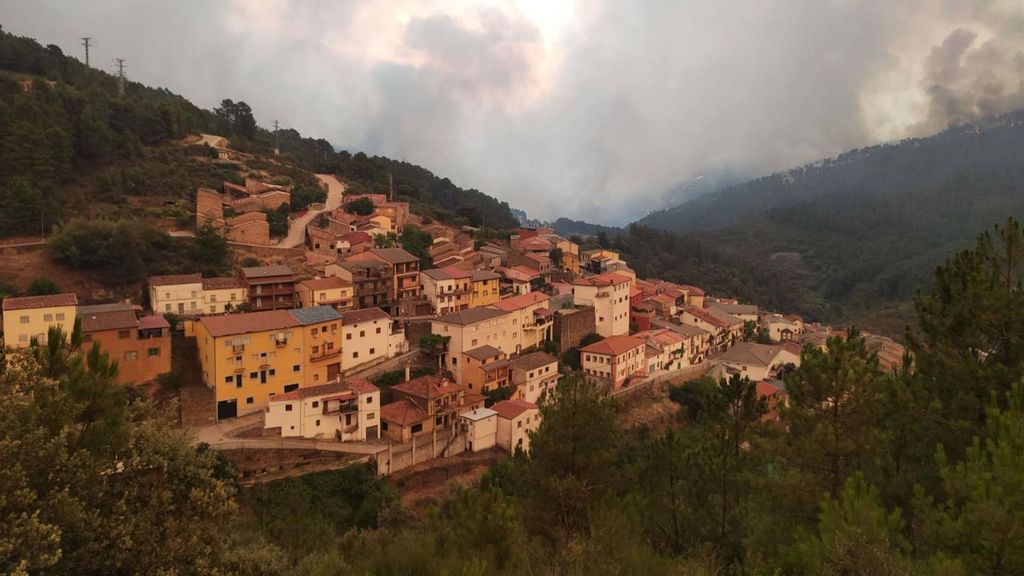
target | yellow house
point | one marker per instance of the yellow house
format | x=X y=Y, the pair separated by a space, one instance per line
x=447 y=289
x=247 y=358
x=330 y=291
x=223 y=294
x=180 y=294
x=321 y=343
x=486 y=288
x=30 y=317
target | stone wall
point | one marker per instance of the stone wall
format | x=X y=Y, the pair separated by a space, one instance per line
x=572 y=325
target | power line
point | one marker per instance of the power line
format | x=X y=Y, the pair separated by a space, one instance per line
x=119 y=62
x=87 y=41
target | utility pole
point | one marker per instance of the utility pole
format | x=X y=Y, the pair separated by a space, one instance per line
x=391 y=188
x=87 y=41
x=277 y=140
x=119 y=62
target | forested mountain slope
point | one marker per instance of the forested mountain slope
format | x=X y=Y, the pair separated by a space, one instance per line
x=846 y=238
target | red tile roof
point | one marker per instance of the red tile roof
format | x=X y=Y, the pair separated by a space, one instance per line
x=403 y=413
x=363 y=315
x=229 y=324
x=112 y=320
x=153 y=322
x=428 y=387
x=614 y=345
x=521 y=301
x=51 y=300
x=512 y=409
x=606 y=279
x=222 y=283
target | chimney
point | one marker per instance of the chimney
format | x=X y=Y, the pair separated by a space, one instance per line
x=407 y=373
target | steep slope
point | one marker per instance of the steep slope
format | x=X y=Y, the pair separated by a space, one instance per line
x=852 y=237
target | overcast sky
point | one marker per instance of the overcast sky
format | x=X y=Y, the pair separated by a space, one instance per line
x=592 y=110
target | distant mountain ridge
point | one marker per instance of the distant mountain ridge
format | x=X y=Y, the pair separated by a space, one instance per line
x=894 y=167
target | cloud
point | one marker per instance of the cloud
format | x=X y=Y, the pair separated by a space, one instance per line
x=591 y=110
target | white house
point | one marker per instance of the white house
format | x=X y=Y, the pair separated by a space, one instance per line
x=348 y=411
x=609 y=295
x=755 y=361
x=365 y=337
x=516 y=419
x=534 y=374
x=481 y=427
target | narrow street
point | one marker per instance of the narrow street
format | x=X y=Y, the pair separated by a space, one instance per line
x=297 y=228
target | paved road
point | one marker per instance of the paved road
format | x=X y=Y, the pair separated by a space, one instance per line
x=297 y=228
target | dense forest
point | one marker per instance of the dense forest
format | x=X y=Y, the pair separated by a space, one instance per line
x=851 y=238
x=865 y=473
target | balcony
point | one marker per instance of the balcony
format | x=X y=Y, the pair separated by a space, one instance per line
x=324 y=354
x=238 y=348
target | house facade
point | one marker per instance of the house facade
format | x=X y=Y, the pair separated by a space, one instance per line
x=405 y=269
x=530 y=317
x=534 y=375
x=180 y=294
x=615 y=359
x=141 y=346
x=269 y=287
x=365 y=336
x=486 y=288
x=448 y=289
x=372 y=282
x=29 y=317
x=330 y=291
x=609 y=295
x=423 y=404
x=348 y=411
x=516 y=420
x=480 y=426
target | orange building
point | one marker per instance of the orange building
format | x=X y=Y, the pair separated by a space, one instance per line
x=141 y=346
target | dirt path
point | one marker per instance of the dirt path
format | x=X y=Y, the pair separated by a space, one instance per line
x=297 y=228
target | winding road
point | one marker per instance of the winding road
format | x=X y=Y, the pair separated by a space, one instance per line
x=297 y=228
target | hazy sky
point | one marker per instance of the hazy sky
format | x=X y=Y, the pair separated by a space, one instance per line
x=592 y=110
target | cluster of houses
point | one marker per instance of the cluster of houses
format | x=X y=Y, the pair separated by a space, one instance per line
x=297 y=346
x=238 y=211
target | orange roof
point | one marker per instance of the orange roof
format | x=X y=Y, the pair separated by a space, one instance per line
x=402 y=413
x=511 y=409
x=428 y=386
x=614 y=345
x=26 y=302
x=521 y=301
x=229 y=324
x=606 y=279
x=766 y=389
x=692 y=290
x=707 y=316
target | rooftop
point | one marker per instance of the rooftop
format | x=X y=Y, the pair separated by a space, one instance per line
x=477 y=414
x=533 y=360
x=175 y=279
x=751 y=353
x=429 y=387
x=248 y=322
x=403 y=413
x=511 y=409
x=606 y=279
x=614 y=345
x=153 y=322
x=521 y=301
x=363 y=315
x=266 y=271
x=394 y=255
x=314 y=315
x=111 y=320
x=482 y=275
x=356 y=385
x=328 y=283
x=48 y=301
x=484 y=352
x=470 y=316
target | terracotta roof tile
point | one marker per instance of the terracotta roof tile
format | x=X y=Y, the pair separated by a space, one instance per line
x=51 y=300
x=511 y=409
x=614 y=345
x=229 y=324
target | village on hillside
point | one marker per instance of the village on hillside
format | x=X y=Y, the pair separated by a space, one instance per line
x=363 y=349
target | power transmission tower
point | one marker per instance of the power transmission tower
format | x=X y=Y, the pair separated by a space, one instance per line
x=277 y=140
x=119 y=62
x=87 y=41
x=391 y=188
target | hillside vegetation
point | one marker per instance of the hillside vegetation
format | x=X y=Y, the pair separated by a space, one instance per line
x=845 y=237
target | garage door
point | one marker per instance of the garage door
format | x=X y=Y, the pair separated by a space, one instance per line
x=371 y=433
x=227 y=409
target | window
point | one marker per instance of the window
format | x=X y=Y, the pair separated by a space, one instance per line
x=384 y=426
x=291 y=387
x=372 y=350
x=317 y=422
x=248 y=400
x=474 y=342
x=272 y=371
x=287 y=407
x=355 y=354
x=193 y=305
x=153 y=352
x=131 y=355
x=369 y=399
x=228 y=379
x=167 y=307
x=519 y=424
x=348 y=336
x=362 y=333
x=437 y=421
x=24 y=319
x=296 y=368
x=417 y=428
x=323 y=329
x=253 y=375
x=47 y=317
x=316 y=403
x=167 y=294
x=378 y=330
x=371 y=416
